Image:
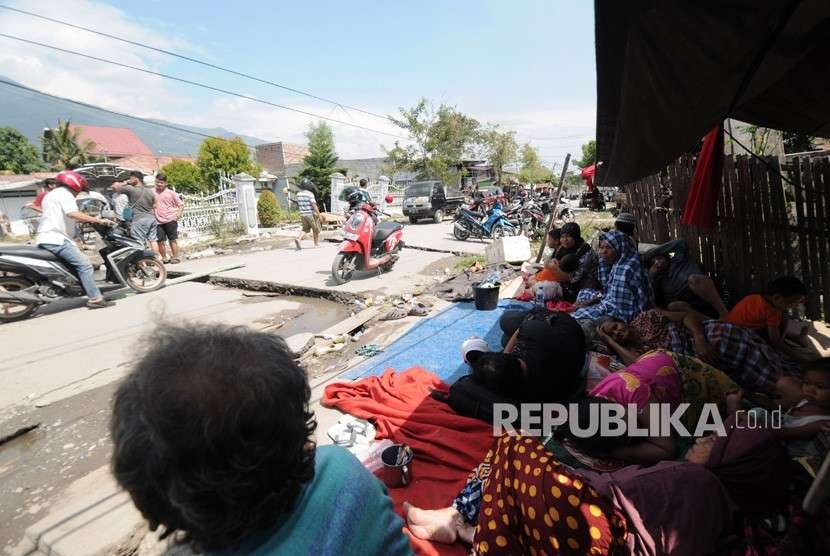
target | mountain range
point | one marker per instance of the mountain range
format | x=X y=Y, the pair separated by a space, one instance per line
x=29 y=111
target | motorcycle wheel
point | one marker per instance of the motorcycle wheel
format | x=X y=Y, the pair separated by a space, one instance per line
x=146 y=274
x=14 y=311
x=438 y=217
x=343 y=267
x=460 y=233
x=413 y=220
x=498 y=232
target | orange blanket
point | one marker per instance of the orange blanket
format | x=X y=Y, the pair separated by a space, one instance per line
x=447 y=446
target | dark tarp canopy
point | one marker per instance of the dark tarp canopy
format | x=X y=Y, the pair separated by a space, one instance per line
x=668 y=71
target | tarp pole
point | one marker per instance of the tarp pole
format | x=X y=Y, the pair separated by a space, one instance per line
x=554 y=207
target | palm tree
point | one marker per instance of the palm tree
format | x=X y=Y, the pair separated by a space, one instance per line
x=64 y=148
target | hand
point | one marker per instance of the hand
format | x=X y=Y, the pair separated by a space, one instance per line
x=734 y=401
x=704 y=351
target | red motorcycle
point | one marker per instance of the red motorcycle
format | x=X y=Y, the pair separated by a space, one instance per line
x=367 y=244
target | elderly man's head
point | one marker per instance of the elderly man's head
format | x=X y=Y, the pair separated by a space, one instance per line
x=212 y=433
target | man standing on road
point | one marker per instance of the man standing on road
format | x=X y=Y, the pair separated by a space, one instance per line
x=309 y=214
x=168 y=210
x=54 y=234
x=140 y=210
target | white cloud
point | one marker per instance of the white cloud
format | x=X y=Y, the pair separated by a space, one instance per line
x=552 y=132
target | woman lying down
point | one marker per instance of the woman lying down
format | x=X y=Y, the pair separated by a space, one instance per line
x=520 y=500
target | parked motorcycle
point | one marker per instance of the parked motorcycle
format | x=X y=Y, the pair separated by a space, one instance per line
x=467 y=224
x=31 y=277
x=534 y=222
x=367 y=244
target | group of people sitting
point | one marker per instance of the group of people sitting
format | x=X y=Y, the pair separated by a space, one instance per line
x=213 y=437
x=676 y=343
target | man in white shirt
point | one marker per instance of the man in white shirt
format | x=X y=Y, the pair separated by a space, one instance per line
x=54 y=233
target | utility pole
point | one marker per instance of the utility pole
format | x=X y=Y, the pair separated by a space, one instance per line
x=554 y=207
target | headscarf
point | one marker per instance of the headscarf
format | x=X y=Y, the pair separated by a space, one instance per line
x=626 y=284
x=572 y=229
x=753 y=467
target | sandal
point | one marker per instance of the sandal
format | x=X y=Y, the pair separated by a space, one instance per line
x=418 y=310
x=99 y=304
x=175 y=261
x=394 y=314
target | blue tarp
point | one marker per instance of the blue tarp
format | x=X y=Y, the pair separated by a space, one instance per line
x=435 y=342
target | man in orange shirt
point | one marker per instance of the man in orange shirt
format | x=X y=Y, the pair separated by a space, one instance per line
x=765 y=313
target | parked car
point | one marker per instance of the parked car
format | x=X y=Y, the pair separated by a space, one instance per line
x=430 y=199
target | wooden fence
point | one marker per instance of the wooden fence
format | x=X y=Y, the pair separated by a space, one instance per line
x=764 y=227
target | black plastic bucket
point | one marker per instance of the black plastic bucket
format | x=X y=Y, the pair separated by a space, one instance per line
x=486 y=299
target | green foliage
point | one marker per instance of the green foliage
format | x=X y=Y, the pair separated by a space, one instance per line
x=500 y=148
x=228 y=156
x=798 y=142
x=469 y=261
x=589 y=154
x=759 y=138
x=17 y=154
x=184 y=177
x=222 y=228
x=441 y=137
x=64 y=148
x=321 y=161
x=268 y=210
x=532 y=170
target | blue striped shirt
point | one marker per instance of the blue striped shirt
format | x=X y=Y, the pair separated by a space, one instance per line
x=306 y=203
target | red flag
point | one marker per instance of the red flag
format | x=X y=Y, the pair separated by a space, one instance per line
x=706 y=183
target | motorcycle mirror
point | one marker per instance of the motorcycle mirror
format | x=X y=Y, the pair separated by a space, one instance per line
x=389 y=199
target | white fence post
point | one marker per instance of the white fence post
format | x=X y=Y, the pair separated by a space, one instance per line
x=246 y=197
x=383 y=189
x=338 y=182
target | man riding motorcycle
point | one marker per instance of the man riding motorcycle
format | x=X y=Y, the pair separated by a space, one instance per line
x=54 y=233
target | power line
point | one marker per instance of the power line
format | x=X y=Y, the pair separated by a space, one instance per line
x=203 y=85
x=194 y=60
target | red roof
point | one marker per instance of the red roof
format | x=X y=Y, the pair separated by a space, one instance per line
x=113 y=141
x=150 y=164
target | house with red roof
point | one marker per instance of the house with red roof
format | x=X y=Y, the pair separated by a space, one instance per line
x=112 y=143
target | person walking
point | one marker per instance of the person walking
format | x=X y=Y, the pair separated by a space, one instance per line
x=168 y=209
x=140 y=211
x=309 y=214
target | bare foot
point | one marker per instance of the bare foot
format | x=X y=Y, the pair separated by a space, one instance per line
x=432 y=525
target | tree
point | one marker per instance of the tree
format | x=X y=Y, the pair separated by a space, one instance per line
x=219 y=156
x=184 y=177
x=532 y=170
x=500 y=149
x=442 y=138
x=64 y=148
x=268 y=209
x=589 y=154
x=798 y=142
x=321 y=161
x=17 y=154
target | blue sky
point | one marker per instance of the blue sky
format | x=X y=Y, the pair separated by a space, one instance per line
x=526 y=65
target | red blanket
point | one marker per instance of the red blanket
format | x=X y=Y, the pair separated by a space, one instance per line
x=447 y=446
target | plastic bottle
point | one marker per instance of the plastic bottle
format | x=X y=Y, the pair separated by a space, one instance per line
x=540 y=296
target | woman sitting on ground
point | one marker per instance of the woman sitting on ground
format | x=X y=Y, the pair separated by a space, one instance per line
x=213 y=440
x=626 y=291
x=582 y=274
x=524 y=501
x=542 y=361
x=740 y=353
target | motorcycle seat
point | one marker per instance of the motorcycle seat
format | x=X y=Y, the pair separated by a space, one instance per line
x=31 y=251
x=384 y=230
